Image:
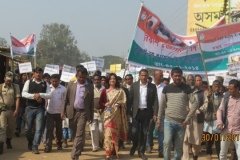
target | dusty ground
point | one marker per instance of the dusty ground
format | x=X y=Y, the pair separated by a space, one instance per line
x=20 y=152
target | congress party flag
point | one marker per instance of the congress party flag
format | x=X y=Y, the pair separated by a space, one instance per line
x=26 y=46
x=218 y=45
x=155 y=46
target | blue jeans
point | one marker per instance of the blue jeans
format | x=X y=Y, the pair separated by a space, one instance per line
x=160 y=139
x=173 y=136
x=159 y=135
x=34 y=115
x=67 y=133
x=149 y=143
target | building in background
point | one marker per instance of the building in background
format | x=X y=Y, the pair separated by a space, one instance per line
x=4 y=62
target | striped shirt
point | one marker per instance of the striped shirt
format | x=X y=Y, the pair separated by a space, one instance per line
x=174 y=103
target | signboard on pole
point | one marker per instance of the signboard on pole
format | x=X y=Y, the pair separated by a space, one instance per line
x=68 y=72
x=227 y=79
x=51 y=69
x=25 y=67
x=99 y=62
x=234 y=68
x=90 y=66
x=211 y=79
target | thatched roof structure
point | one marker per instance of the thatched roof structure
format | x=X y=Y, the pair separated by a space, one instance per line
x=5 y=51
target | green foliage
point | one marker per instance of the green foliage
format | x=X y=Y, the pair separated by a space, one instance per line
x=57 y=45
x=108 y=60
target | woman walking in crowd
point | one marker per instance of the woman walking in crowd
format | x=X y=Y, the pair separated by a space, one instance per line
x=115 y=119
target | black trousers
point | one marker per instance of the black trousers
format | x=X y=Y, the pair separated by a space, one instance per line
x=210 y=143
x=140 y=128
x=53 y=120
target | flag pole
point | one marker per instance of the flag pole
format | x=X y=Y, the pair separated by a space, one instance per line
x=11 y=52
x=135 y=31
x=229 y=12
x=139 y=12
x=203 y=62
x=35 y=56
x=125 y=68
x=35 y=61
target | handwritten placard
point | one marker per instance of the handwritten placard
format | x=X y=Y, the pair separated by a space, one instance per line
x=25 y=67
x=90 y=66
x=234 y=68
x=227 y=79
x=51 y=69
x=99 y=62
x=68 y=73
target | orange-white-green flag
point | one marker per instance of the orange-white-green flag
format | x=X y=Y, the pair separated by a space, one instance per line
x=26 y=46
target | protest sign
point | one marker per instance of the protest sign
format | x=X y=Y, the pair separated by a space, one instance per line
x=68 y=73
x=25 y=67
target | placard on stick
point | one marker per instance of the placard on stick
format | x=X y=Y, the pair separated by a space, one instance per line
x=25 y=67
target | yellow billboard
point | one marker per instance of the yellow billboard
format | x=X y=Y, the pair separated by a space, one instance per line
x=115 y=68
x=203 y=14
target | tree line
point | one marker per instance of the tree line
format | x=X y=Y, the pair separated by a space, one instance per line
x=57 y=45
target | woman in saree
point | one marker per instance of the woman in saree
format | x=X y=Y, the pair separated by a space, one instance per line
x=115 y=119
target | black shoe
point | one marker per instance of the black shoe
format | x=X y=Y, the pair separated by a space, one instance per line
x=30 y=146
x=17 y=134
x=195 y=157
x=142 y=156
x=121 y=144
x=132 y=151
x=1 y=147
x=75 y=158
x=35 y=151
x=9 y=146
x=8 y=143
x=101 y=144
x=47 y=150
x=139 y=154
x=160 y=155
x=59 y=148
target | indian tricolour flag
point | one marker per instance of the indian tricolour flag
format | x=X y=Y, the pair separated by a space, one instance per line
x=219 y=45
x=26 y=46
x=155 y=46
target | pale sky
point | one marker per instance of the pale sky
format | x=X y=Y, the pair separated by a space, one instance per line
x=101 y=27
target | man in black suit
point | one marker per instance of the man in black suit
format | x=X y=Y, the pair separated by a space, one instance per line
x=143 y=106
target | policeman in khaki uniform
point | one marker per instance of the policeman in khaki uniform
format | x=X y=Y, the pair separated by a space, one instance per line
x=9 y=100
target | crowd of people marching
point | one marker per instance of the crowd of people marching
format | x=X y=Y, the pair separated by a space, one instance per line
x=185 y=115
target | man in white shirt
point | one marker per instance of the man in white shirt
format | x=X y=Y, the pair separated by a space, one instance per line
x=144 y=106
x=35 y=91
x=96 y=127
x=158 y=78
x=55 y=113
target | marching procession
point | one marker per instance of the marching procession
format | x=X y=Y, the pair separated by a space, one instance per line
x=185 y=116
x=171 y=97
